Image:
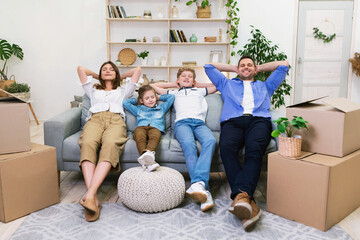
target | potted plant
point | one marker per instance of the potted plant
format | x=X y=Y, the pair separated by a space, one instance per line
x=203 y=9
x=6 y=52
x=143 y=55
x=289 y=143
x=20 y=90
x=260 y=48
x=232 y=18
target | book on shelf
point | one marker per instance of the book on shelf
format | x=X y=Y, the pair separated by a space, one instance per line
x=180 y=37
x=115 y=13
x=109 y=11
x=183 y=35
x=175 y=35
x=189 y=64
x=118 y=11
x=172 y=38
x=123 y=13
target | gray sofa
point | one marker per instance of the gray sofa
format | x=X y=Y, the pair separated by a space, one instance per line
x=63 y=132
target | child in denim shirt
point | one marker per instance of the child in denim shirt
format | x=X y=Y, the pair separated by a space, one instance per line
x=150 y=123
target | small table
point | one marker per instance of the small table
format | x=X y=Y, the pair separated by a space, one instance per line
x=32 y=111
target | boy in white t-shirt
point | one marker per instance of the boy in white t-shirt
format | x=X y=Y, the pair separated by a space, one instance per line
x=191 y=109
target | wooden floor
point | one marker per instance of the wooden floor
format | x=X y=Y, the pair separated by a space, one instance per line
x=72 y=187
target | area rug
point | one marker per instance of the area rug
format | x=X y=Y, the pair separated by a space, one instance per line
x=66 y=222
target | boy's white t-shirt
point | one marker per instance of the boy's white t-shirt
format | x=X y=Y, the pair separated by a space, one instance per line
x=190 y=103
x=248 y=99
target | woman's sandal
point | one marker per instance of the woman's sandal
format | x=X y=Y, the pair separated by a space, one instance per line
x=89 y=205
x=92 y=217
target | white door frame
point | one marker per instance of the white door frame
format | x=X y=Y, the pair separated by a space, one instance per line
x=294 y=59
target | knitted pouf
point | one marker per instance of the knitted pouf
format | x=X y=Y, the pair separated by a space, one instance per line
x=150 y=192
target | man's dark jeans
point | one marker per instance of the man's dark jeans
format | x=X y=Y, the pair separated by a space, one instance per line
x=253 y=133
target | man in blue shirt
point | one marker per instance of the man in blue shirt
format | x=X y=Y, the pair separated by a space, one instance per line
x=245 y=122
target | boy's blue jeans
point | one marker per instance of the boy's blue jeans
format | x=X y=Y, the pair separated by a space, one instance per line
x=186 y=131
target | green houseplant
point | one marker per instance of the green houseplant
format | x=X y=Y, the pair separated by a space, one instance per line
x=144 y=54
x=232 y=18
x=289 y=143
x=20 y=90
x=6 y=52
x=262 y=50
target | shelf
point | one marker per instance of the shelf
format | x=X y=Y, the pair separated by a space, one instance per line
x=147 y=66
x=119 y=29
x=139 y=43
x=167 y=19
x=170 y=43
x=153 y=66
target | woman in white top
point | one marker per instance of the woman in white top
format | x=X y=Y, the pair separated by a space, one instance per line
x=105 y=128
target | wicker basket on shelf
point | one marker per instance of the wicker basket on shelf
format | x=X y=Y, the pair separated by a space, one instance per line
x=203 y=12
x=290 y=146
x=127 y=56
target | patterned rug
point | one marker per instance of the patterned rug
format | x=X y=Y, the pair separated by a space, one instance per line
x=66 y=221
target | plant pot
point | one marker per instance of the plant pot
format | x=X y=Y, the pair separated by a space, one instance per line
x=290 y=147
x=203 y=12
x=4 y=83
x=144 y=61
x=25 y=96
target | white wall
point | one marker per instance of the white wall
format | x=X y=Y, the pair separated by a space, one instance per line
x=58 y=35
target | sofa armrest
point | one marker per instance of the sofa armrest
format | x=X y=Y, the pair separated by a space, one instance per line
x=58 y=128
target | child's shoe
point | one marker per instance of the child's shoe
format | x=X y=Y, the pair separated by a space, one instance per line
x=147 y=158
x=152 y=167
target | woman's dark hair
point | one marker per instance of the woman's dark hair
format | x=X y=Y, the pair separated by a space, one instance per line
x=116 y=82
x=247 y=56
x=142 y=91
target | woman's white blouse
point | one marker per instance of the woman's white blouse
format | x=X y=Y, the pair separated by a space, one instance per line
x=102 y=100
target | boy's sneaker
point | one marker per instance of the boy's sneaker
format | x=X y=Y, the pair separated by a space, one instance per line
x=209 y=202
x=152 y=167
x=241 y=207
x=248 y=224
x=197 y=192
x=147 y=158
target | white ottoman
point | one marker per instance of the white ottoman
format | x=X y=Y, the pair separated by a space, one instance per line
x=150 y=192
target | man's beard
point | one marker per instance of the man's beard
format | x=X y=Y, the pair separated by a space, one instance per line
x=250 y=77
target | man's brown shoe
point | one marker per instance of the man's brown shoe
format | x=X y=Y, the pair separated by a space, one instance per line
x=248 y=224
x=241 y=207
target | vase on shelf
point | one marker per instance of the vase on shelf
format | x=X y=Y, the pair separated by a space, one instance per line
x=144 y=61
x=193 y=38
x=174 y=12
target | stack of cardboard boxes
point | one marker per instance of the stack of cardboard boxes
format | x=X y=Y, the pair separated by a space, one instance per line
x=321 y=187
x=28 y=171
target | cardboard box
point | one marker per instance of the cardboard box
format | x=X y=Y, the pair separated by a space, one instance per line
x=28 y=182
x=316 y=190
x=333 y=126
x=14 y=127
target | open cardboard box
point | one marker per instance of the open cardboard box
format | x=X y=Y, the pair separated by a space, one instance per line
x=14 y=125
x=28 y=182
x=316 y=190
x=333 y=126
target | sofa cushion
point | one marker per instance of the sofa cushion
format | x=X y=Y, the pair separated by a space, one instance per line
x=85 y=109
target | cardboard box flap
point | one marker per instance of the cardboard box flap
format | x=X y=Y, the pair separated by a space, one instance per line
x=306 y=102
x=343 y=104
x=12 y=97
x=34 y=149
x=330 y=161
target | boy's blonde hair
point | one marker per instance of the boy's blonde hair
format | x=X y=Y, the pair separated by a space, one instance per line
x=187 y=69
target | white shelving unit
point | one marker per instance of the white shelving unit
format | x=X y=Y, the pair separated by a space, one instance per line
x=119 y=29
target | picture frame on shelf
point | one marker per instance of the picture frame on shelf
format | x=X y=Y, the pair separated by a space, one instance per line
x=216 y=56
